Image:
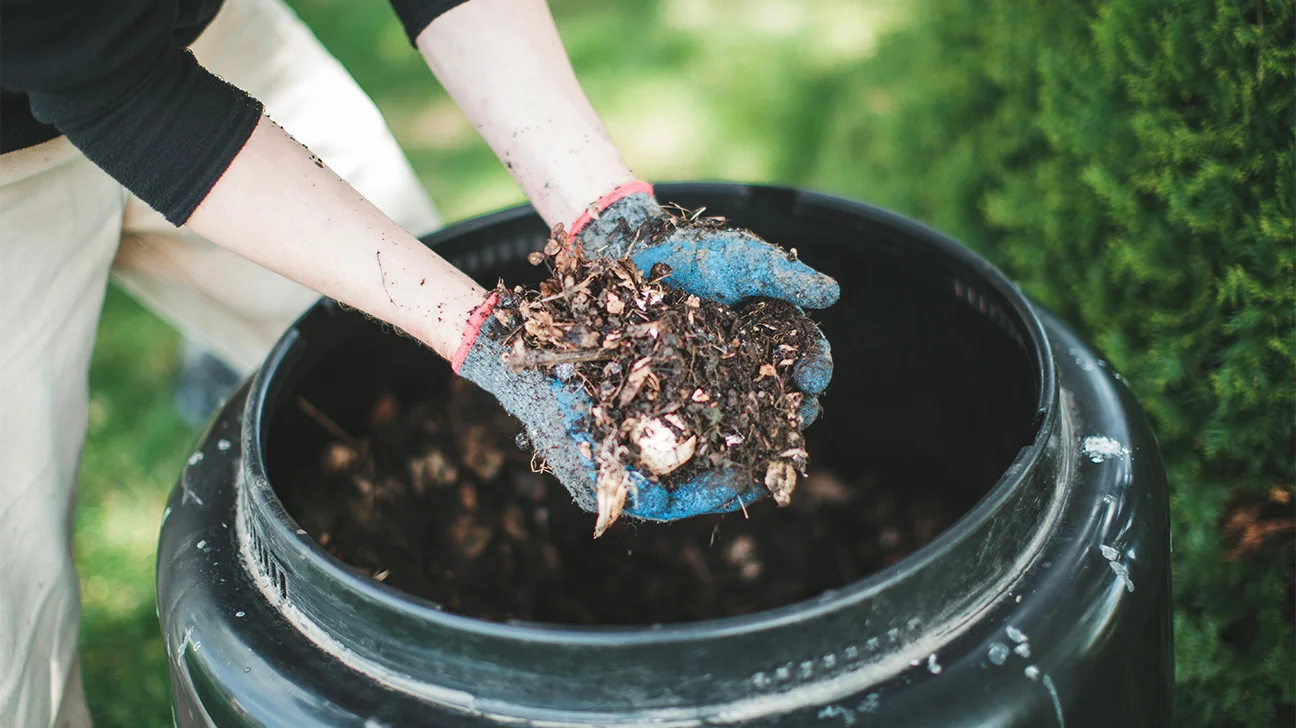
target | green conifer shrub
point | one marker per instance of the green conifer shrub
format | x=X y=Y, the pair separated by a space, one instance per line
x=1132 y=164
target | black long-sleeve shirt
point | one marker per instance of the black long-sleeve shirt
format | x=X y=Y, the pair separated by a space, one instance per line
x=116 y=77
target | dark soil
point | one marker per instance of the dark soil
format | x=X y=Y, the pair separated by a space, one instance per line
x=437 y=498
x=680 y=385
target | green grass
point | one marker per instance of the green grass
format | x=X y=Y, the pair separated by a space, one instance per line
x=135 y=446
x=690 y=89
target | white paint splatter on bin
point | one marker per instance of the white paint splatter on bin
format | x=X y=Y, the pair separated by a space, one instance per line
x=998 y=653
x=1120 y=569
x=1100 y=448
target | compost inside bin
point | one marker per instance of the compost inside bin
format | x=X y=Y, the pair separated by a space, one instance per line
x=413 y=476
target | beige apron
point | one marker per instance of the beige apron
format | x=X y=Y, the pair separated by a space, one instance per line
x=65 y=228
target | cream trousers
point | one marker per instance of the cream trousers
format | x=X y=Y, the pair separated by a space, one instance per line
x=65 y=228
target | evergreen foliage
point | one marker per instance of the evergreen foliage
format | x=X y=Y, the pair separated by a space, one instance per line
x=1131 y=163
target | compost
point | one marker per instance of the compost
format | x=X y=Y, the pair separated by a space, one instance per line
x=437 y=497
x=678 y=385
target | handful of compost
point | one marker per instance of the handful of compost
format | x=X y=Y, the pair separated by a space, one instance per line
x=640 y=392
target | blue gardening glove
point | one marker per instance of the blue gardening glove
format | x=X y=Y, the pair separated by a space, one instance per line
x=726 y=266
x=555 y=414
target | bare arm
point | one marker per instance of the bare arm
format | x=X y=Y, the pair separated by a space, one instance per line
x=279 y=206
x=504 y=64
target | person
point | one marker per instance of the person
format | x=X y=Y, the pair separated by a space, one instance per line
x=214 y=160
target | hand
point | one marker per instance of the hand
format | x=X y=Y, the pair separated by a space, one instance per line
x=554 y=413
x=723 y=265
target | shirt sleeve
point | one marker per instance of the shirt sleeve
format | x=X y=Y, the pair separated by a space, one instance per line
x=112 y=78
x=416 y=15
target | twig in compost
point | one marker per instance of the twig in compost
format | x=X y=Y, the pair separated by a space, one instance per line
x=329 y=425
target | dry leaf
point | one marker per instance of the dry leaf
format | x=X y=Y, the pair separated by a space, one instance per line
x=658 y=271
x=660 y=451
x=435 y=467
x=469 y=537
x=468 y=497
x=541 y=325
x=504 y=316
x=635 y=381
x=742 y=553
x=513 y=521
x=583 y=337
x=614 y=304
x=648 y=328
x=338 y=457
x=824 y=487
x=536 y=258
x=700 y=396
x=780 y=479
x=767 y=370
x=479 y=454
x=610 y=488
x=385 y=411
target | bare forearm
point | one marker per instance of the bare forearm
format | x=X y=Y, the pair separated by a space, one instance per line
x=504 y=64
x=282 y=208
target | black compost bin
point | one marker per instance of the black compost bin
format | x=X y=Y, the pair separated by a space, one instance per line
x=1044 y=601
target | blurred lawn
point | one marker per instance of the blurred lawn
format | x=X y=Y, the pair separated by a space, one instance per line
x=690 y=89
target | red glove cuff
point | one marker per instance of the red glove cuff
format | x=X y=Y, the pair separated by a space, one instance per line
x=475 y=321
x=606 y=201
